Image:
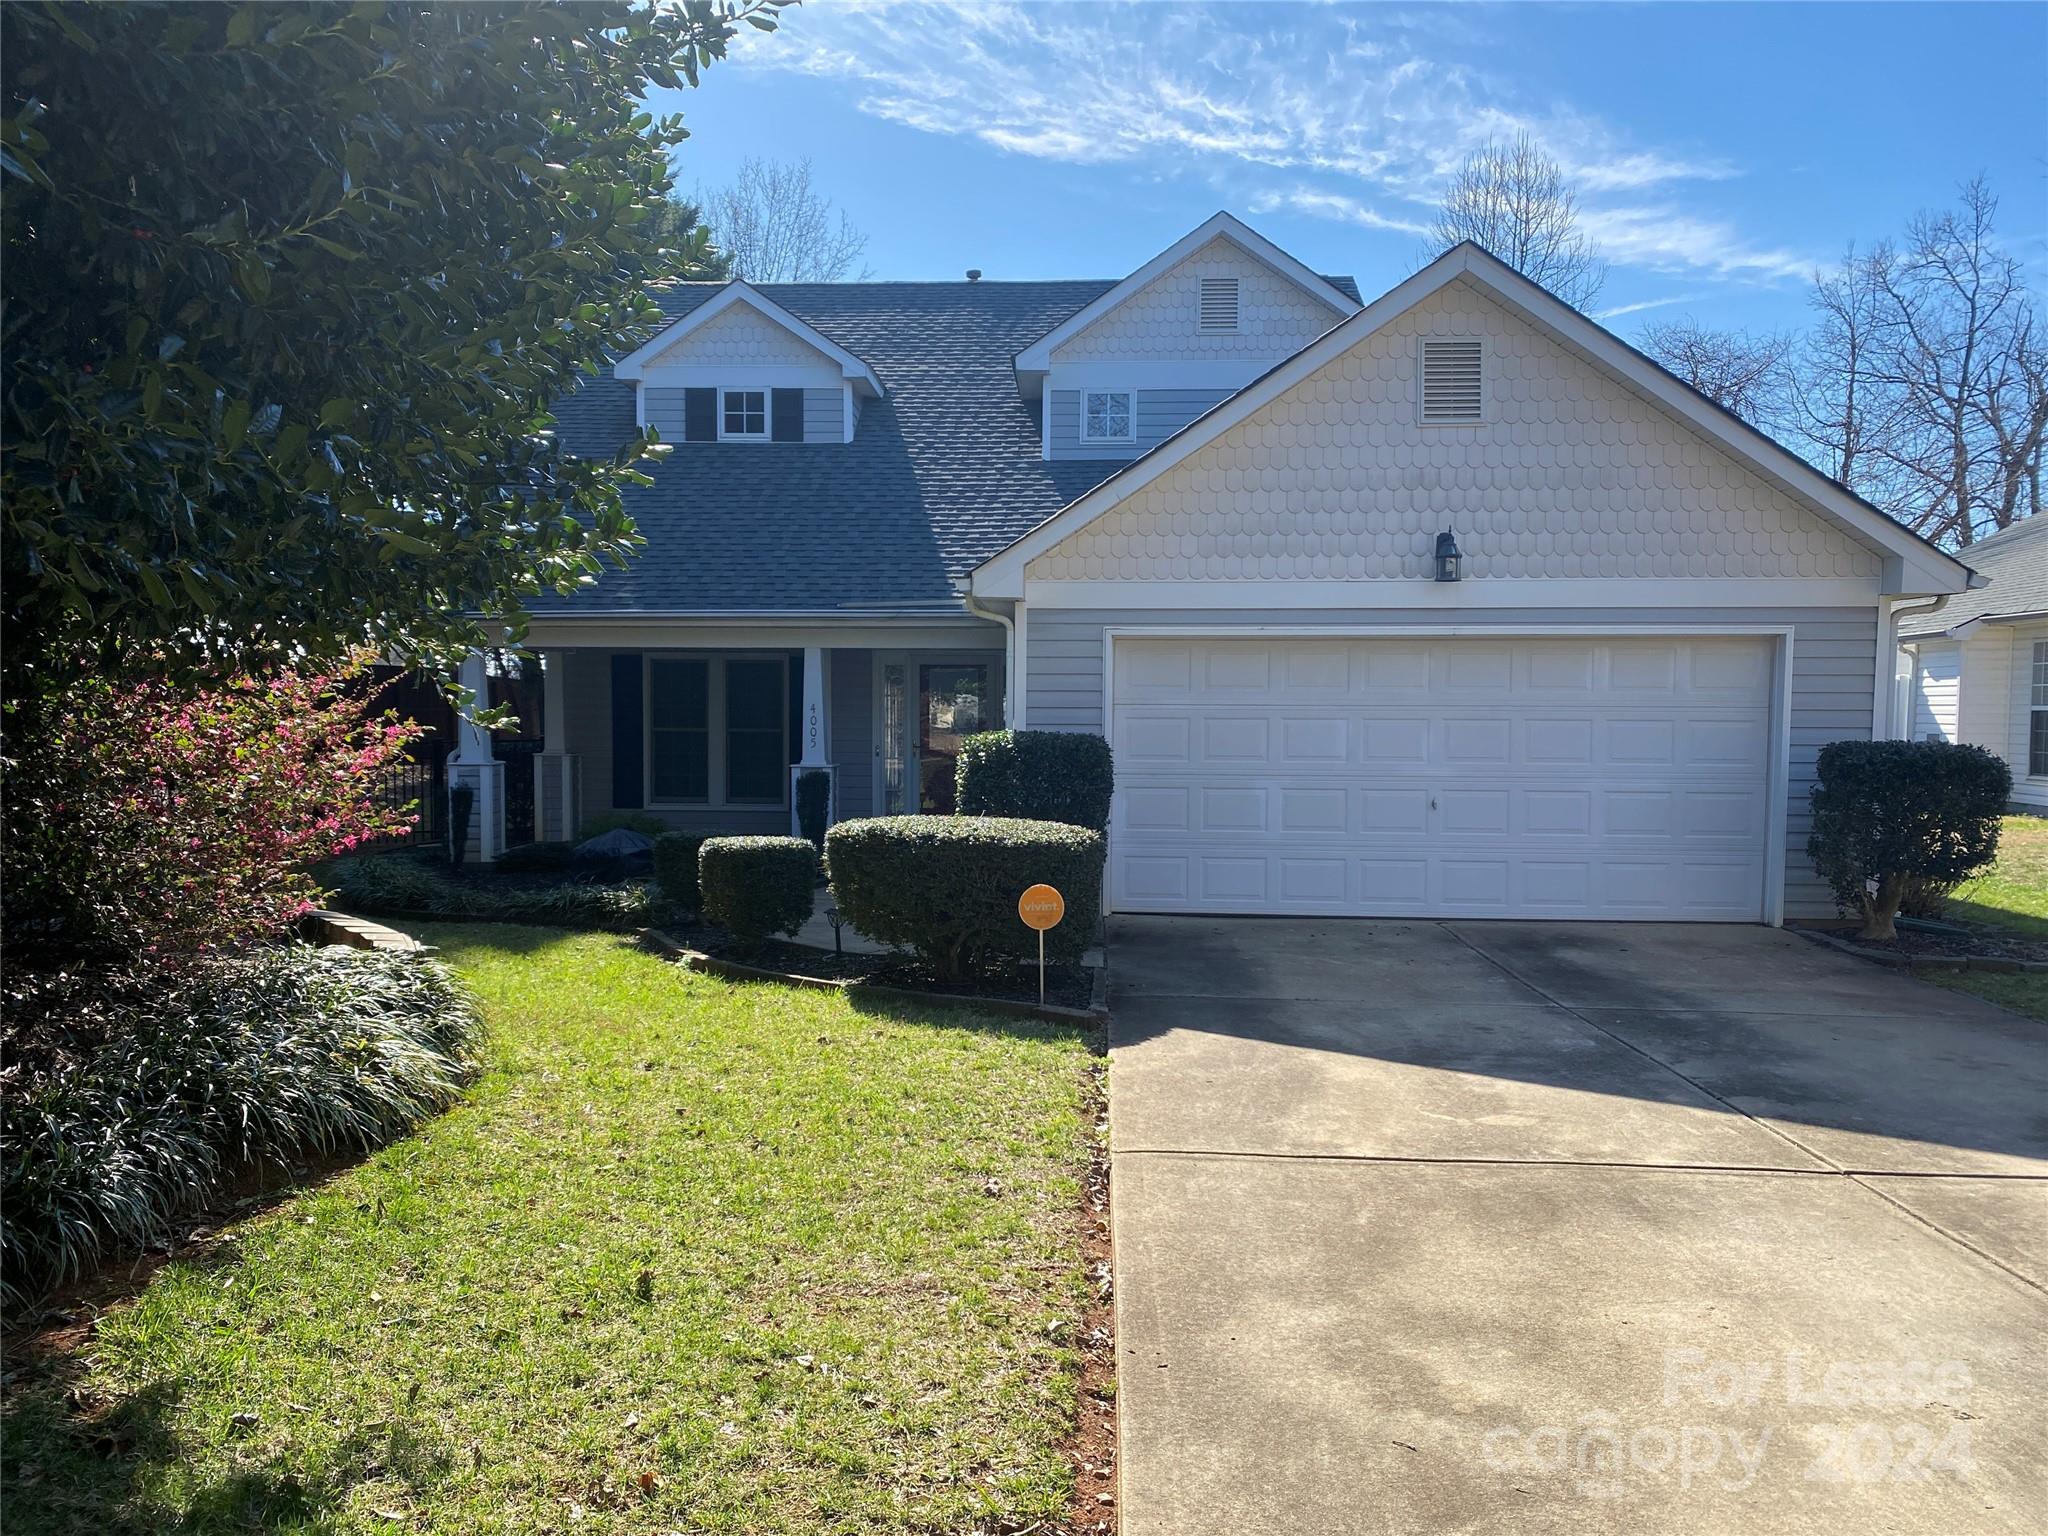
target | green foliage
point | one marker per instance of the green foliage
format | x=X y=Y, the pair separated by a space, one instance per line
x=755 y=886
x=1036 y=776
x=393 y=885
x=675 y=868
x=1893 y=814
x=813 y=804
x=461 y=805
x=290 y=288
x=535 y=859
x=141 y=817
x=948 y=886
x=285 y=1051
x=646 y=823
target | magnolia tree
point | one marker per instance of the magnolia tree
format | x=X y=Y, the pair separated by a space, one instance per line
x=146 y=820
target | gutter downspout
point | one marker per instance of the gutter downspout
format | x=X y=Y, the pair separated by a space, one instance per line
x=1900 y=726
x=1012 y=705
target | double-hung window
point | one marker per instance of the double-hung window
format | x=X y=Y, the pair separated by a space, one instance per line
x=739 y=703
x=1108 y=416
x=743 y=413
x=2037 y=714
x=679 y=729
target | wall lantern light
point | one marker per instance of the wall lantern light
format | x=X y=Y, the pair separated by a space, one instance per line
x=1447 y=556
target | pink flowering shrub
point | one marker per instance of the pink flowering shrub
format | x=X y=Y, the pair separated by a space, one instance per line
x=145 y=822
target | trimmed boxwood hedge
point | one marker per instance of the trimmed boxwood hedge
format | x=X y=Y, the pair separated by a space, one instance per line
x=675 y=868
x=1893 y=814
x=755 y=886
x=947 y=886
x=1036 y=776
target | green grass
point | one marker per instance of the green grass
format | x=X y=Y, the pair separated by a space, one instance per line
x=691 y=1257
x=2012 y=897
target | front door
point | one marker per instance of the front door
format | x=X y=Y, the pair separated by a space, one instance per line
x=926 y=707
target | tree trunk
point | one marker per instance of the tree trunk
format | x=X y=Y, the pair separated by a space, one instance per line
x=1881 y=911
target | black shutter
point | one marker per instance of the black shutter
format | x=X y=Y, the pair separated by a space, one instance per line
x=628 y=731
x=788 y=417
x=700 y=416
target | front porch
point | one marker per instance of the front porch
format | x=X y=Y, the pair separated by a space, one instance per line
x=708 y=728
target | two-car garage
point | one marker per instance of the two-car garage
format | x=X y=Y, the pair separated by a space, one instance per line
x=1513 y=776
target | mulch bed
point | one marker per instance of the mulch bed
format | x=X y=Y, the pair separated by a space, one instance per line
x=1093 y=1445
x=1973 y=942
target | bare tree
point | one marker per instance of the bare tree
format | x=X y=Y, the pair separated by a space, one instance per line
x=1839 y=410
x=1738 y=371
x=1513 y=199
x=1958 y=346
x=777 y=228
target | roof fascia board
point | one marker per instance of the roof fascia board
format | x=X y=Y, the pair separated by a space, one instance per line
x=633 y=364
x=1911 y=566
x=1037 y=358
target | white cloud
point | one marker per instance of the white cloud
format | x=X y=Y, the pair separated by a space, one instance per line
x=1617 y=311
x=1367 y=112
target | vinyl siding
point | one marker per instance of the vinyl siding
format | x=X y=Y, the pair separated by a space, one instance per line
x=1834 y=670
x=1936 y=692
x=2019 y=693
x=1161 y=413
x=824 y=416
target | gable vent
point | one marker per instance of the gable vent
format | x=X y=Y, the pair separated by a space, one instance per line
x=1451 y=381
x=1219 y=303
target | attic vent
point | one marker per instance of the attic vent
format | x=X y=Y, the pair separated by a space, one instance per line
x=1452 y=389
x=1219 y=304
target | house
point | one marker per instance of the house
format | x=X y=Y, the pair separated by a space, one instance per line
x=1974 y=667
x=1450 y=603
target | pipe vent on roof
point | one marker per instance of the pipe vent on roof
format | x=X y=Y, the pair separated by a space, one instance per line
x=1453 y=381
x=1219 y=304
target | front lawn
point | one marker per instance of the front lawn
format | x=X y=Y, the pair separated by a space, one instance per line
x=691 y=1257
x=2012 y=896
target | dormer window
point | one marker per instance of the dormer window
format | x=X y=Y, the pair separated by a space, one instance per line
x=743 y=415
x=1219 y=305
x=1108 y=416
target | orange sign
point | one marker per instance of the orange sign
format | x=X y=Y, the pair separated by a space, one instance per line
x=1041 y=907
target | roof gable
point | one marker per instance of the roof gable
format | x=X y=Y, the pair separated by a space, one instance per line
x=1908 y=564
x=1573 y=477
x=2015 y=562
x=741 y=320
x=1248 y=245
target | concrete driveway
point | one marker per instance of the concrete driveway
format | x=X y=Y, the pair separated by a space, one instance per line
x=1505 y=1227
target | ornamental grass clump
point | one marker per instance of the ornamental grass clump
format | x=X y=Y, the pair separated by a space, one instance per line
x=139 y=1100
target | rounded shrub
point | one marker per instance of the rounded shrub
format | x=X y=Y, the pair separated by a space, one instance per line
x=675 y=868
x=1892 y=815
x=755 y=886
x=1036 y=776
x=947 y=886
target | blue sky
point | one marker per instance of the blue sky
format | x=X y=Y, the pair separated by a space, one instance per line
x=1722 y=151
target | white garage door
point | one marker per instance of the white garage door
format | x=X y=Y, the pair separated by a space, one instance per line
x=1566 y=778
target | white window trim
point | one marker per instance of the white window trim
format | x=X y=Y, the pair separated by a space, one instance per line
x=1485 y=416
x=767 y=432
x=1130 y=414
x=2036 y=652
x=716 y=796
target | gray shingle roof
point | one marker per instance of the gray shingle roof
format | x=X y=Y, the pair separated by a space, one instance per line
x=2015 y=560
x=943 y=471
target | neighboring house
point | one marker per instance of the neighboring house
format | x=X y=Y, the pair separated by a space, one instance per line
x=1200 y=510
x=1975 y=667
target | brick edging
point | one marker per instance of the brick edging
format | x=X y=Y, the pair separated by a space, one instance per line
x=2000 y=964
x=1094 y=1014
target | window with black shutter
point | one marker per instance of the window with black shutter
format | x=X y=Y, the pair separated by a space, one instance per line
x=700 y=415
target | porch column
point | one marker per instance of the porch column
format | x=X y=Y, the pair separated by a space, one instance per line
x=814 y=717
x=475 y=765
x=554 y=785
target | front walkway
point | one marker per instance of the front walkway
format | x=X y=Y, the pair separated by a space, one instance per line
x=1560 y=1228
